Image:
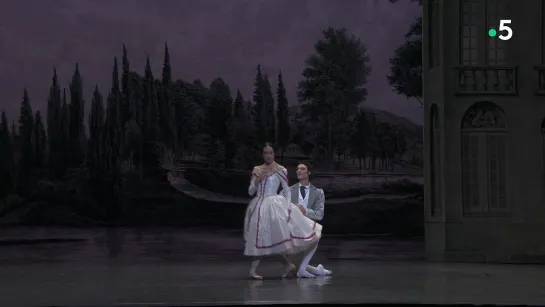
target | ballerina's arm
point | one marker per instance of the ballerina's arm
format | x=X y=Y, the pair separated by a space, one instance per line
x=252 y=189
x=286 y=191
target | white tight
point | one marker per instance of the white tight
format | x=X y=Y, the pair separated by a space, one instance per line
x=308 y=256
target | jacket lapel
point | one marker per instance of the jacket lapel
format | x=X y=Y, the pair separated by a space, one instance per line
x=311 y=196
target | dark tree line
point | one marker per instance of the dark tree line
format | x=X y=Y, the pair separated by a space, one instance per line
x=143 y=121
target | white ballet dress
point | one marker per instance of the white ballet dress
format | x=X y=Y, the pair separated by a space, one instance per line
x=273 y=225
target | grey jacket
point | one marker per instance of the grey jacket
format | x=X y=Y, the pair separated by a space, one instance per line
x=316 y=200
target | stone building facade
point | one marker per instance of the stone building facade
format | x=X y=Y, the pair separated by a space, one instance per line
x=484 y=143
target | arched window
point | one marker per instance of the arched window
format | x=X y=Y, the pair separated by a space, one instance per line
x=435 y=154
x=484 y=159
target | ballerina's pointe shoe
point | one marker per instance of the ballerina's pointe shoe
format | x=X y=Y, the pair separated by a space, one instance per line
x=289 y=268
x=323 y=271
x=305 y=274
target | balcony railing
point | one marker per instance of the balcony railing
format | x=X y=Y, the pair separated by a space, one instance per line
x=540 y=86
x=486 y=80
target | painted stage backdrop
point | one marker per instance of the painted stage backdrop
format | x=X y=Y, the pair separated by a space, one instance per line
x=152 y=148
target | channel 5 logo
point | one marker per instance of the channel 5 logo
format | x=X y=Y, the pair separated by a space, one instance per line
x=505 y=31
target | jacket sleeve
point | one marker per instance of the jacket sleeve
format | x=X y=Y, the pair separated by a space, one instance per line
x=317 y=213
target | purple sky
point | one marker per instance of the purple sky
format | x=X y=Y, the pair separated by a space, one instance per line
x=207 y=39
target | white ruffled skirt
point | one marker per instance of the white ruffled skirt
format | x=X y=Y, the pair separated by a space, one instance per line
x=275 y=226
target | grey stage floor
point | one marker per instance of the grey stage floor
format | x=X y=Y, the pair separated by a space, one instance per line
x=223 y=283
x=75 y=274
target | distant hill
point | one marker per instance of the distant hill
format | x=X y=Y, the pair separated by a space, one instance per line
x=412 y=132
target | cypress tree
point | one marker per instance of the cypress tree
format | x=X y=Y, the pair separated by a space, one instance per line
x=240 y=127
x=40 y=141
x=125 y=88
x=76 y=127
x=13 y=133
x=150 y=103
x=167 y=107
x=26 y=157
x=269 y=118
x=167 y=71
x=282 y=114
x=53 y=127
x=64 y=135
x=96 y=129
x=259 y=107
x=7 y=166
x=239 y=111
x=112 y=135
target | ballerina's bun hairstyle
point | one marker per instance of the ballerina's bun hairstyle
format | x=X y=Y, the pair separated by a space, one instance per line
x=268 y=144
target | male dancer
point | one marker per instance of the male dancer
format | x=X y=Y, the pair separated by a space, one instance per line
x=310 y=201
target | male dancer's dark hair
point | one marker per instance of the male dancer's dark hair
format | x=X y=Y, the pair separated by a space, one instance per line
x=308 y=165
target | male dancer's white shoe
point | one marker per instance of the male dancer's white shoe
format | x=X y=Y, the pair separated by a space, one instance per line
x=304 y=274
x=323 y=271
x=318 y=271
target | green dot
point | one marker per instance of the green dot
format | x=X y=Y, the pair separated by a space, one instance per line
x=492 y=33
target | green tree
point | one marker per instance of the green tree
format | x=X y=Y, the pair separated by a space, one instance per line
x=39 y=141
x=185 y=111
x=55 y=147
x=219 y=122
x=405 y=76
x=191 y=115
x=244 y=132
x=358 y=137
x=64 y=135
x=112 y=130
x=269 y=119
x=400 y=143
x=283 y=116
x=334 y=84
x=7 y=166
x=133 y=129
x=151 y=120
x=13 y=133
x=26 y=156
x=167 y=105
x=386 y=145
x=95 y=151
x=76 y=128
x=110 y=184
x=240 y=122
x=373 y=145
x=259 y=108
x=239 y=110
x=126 y=91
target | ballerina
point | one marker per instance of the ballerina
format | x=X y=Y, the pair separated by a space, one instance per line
x=273 y=225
